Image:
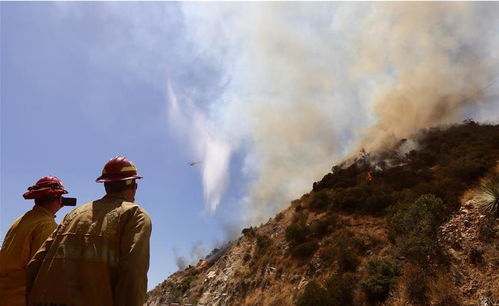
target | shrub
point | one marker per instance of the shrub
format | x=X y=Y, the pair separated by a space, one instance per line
x=242 y=287
x=320 y=200
x=300 y=238
x=305 y=250
x=378 y=201
x=186 y=283
x=297 y=232
x=363 y=198
x=313 y=295
x=475 y=256
x=488 y=198
x=340 y=178
x=247 y=256
x=400 y=177
x=322 y=227
x=422 y=158
x=344 y=252
x=346 y=199
x=250 y=231
x=381 y=279
x=449 y=190
x=262 y=244
x=338 y=291
x=347 y=260
x=416 y=284
x=414 y=225
x=467 y=168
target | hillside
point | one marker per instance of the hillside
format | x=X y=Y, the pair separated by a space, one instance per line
x=406 y=226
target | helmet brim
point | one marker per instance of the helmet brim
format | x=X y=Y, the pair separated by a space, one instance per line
x=101 y=179
x=44 y=192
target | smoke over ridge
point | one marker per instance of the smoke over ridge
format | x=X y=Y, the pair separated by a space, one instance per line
x=313 y=83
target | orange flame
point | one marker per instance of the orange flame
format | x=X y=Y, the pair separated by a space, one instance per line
x=202 y=264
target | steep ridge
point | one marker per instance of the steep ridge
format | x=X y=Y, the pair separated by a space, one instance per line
x=399 y=227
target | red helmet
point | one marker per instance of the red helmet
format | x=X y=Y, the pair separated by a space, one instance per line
x=118 y=168
x=46 y=186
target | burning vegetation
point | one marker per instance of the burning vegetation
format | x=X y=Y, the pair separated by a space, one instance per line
x=383 y=228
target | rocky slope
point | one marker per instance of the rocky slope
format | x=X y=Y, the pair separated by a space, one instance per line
x=368 y=234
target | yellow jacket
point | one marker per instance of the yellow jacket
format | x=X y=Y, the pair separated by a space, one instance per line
x=22 y=241
x=99 y=256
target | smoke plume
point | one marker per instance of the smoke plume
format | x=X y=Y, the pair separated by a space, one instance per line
x=208 y=146
x=438 y=58
x=196 y=253
x=312 y=83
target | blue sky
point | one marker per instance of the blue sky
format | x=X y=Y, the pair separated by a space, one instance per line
x=267 y=95
x=76 y=92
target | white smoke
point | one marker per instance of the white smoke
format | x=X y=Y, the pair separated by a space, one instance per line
x=210 y=147
x=312 y=82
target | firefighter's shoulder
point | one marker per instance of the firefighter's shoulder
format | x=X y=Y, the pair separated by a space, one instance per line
x=134 y=209
x=77 y=211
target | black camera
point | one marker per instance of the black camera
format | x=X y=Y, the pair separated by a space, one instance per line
x=68 y=201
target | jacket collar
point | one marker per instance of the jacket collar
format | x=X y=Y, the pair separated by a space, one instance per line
x=42 y=210
x=114 y=196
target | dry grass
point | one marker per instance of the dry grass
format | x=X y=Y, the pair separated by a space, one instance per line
x=443 y=291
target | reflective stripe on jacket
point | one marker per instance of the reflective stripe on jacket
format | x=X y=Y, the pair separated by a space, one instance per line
x=99 y=255
x=23 y=239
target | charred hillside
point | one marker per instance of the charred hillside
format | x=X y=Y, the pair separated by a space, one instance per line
x=413 y=225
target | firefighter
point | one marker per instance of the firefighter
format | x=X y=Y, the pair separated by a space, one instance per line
x=26 y=236
x=99 y=254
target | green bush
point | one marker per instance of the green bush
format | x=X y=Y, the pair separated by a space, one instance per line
x=447 y=162
x=347 y=260
x=186 y=283
x=305 y=250
x=475 y=256
x=340 y=290
x=381 y=279
x=340 y=178
x=337 y=291
x=250 y=231
x=322 y=227
x=365 y=198
x=301 y=239
x=247 y=256
x=488 y=198
x=262 y=244
x=297 y=232
x=414 y=225
x=468 y=168
x=349 y=200
x=313 y=295
x=344 y=252
x=320 y=200
x=378 y=201
x=401 y=177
